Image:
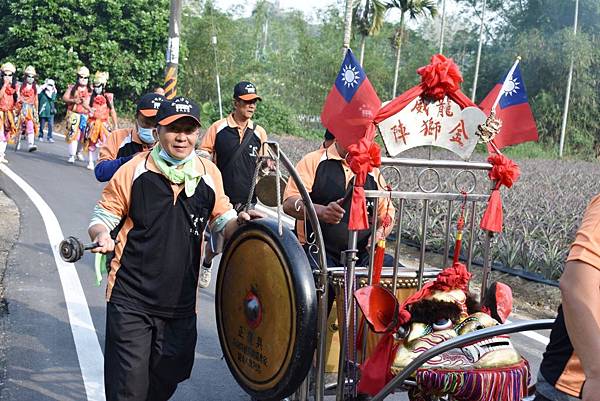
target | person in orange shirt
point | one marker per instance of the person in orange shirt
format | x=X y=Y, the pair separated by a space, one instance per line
x=570 y=369
x=329 y=181
x=101 y=108
x=77 y=99
x=28 y=102
x=166 y=198
x=8 y=100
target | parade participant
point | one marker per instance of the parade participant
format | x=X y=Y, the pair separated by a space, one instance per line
x=46 y=100
x=328 y=179
x=570 y=369
x=159 y=90
x=101 y=108
x=167 y=197
x=77 y=99
x=124 y=143
x=328 y=139
x=234 y=143
x=8 y=99
x=28 y=102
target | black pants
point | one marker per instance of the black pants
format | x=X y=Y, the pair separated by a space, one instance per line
x=145 y=356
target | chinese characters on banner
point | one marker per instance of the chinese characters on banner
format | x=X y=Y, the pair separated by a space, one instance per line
x=439 y=123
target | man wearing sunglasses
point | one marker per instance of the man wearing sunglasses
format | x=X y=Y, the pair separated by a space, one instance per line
x=234 y=143
x=77 y=97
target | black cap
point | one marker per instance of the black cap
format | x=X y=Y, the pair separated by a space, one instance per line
x=149 y=103
x=246 y=91
x=328 y=136
x=173 y=110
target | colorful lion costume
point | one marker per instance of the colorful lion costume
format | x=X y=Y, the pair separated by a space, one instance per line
x=487 y=370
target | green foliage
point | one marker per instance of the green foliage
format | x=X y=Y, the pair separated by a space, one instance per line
x=125 y=38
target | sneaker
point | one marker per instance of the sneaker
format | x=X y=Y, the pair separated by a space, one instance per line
x=205 y=273
x=19 y=145
x=3 y=160
x=80 y=156
x=41 y=138
x=50 y=140
x=32 y=148
x=90 y=166
x=71 y=160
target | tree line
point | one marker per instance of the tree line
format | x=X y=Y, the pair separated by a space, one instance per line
x=294 y=59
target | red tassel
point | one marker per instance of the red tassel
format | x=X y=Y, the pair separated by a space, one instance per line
x=492 y=218
x=378 y=261
x=375 y=371
x=359 y=218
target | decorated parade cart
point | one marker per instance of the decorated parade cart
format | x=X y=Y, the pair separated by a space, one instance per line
x=289 y=330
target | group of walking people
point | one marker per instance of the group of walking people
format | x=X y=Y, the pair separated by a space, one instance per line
x=27 y=108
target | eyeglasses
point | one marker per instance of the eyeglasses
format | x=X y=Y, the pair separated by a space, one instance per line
x=30 y=76
x=8 y=74
x=80 y=77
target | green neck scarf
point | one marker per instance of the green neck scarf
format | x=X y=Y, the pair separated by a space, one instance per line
x=186 y=173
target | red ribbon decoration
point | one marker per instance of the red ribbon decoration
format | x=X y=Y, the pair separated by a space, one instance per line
x=440 y=77
x=363 y=157
x=504 y=172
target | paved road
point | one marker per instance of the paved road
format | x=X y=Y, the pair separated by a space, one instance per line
x=42 y=360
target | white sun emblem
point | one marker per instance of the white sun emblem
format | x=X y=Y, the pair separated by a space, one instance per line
x=511 y=87
x=350 y=76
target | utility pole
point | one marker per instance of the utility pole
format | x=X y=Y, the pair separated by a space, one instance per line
x=173 y=50
x=214 y=43
x=563 y=128
x=443 y=26
x=478 y=53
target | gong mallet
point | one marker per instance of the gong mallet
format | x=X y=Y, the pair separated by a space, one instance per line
x=71 y=249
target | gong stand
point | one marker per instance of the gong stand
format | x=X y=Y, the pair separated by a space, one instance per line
x=271 y=151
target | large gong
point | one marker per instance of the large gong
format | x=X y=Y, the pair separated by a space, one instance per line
x=266 y=306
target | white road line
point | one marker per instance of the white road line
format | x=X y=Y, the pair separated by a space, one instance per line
x=89 y=353
x=533 y=335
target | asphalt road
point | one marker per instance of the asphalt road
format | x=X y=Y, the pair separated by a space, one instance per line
x=42 y=360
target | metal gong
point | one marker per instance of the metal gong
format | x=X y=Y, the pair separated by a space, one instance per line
x=266 y=307
x=266 y=190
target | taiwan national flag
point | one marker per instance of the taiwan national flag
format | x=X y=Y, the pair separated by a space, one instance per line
x=513 y=110
x=352 y=103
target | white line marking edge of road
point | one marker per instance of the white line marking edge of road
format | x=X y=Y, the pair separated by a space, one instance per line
x=89 y=353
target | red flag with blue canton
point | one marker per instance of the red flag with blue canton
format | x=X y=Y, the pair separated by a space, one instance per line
x=518 y=124
x=351 y=105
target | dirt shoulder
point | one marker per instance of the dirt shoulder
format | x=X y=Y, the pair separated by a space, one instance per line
x=9 y=232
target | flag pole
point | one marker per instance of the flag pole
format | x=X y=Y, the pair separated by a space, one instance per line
x=508 y=77
x=347 y=27
x=563 y=127
x=478 y=52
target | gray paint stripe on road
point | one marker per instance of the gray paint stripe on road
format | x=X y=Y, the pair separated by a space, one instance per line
x=89 y=353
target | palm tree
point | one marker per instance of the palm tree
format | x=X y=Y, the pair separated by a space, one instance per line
x=347 y=26
x=368 y=16
x=414 y=8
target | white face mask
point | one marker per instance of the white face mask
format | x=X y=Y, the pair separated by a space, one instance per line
x=83 y=81
x=49 y=91
x=98 y=90
x=30 y=80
